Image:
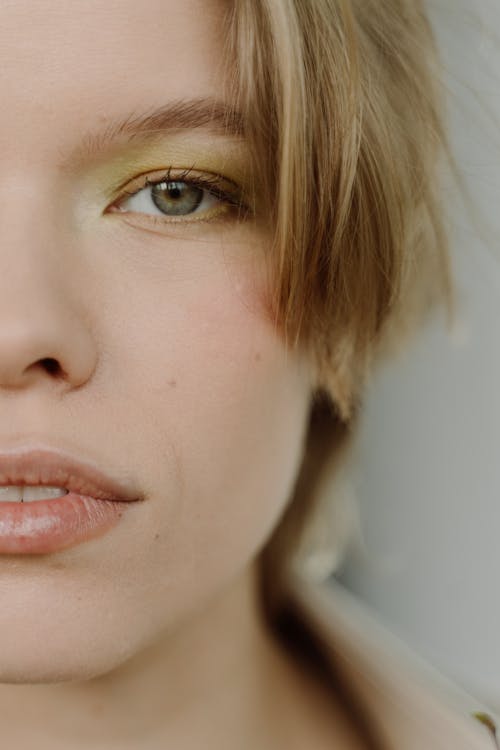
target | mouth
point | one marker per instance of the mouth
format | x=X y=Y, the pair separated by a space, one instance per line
x=50 y=501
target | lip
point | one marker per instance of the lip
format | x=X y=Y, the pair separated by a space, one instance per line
x=94 y=504
x=53 y=468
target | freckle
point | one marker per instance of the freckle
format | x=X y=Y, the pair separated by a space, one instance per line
x=157 y=536
x=257 y=356
x=172 y=383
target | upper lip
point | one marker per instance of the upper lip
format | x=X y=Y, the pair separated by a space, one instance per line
x=57 y=469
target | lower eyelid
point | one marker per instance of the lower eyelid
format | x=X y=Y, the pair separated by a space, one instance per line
x=137 y=218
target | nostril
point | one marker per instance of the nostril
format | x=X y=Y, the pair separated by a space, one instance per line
x=51 y=365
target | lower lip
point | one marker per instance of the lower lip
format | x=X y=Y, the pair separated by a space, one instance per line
x=43 y=526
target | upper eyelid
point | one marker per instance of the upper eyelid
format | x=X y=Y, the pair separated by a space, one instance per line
x=202 y=180
x=189 y=174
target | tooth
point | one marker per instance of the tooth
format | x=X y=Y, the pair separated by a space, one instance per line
x=15 y=493
x=11 y=494
x=41 y=493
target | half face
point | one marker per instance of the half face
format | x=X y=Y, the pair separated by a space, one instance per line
x=152 y=303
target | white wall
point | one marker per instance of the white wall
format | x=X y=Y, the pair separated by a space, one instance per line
x=427 y=469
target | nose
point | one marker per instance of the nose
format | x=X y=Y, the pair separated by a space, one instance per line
x=44 y=339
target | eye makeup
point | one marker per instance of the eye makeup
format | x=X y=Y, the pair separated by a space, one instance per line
x=217 y=155
x=222 y=161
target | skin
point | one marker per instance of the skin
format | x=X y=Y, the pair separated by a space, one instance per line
x=172 y=374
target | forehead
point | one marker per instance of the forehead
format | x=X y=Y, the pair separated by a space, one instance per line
x=91 y=59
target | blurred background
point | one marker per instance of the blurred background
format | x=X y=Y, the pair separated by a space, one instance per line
x=426 y=469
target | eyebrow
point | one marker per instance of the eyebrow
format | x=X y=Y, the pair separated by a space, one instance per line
x=211 y=115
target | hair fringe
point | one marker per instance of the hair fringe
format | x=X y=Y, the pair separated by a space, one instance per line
x=345 y=115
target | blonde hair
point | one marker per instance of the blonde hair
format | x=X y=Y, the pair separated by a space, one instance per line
x=342 y=104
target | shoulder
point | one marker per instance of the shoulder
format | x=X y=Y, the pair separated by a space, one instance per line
x=404 y=701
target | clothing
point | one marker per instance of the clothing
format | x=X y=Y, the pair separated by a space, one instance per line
x=408 y=703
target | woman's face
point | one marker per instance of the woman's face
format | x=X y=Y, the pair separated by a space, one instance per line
x=171 y=372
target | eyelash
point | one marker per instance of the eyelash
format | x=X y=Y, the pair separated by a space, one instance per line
x=227 y=192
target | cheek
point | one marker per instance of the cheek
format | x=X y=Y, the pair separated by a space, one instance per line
x=239 y=410
x=242 y=430
x=228 y=406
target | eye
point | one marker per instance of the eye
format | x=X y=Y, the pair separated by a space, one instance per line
x=177 y=198
x=172 y=198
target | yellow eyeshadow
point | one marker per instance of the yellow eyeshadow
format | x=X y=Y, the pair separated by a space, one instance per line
x=222 y=156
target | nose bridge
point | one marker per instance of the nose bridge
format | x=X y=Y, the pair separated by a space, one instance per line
x=42 y=336
x=30 y=222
